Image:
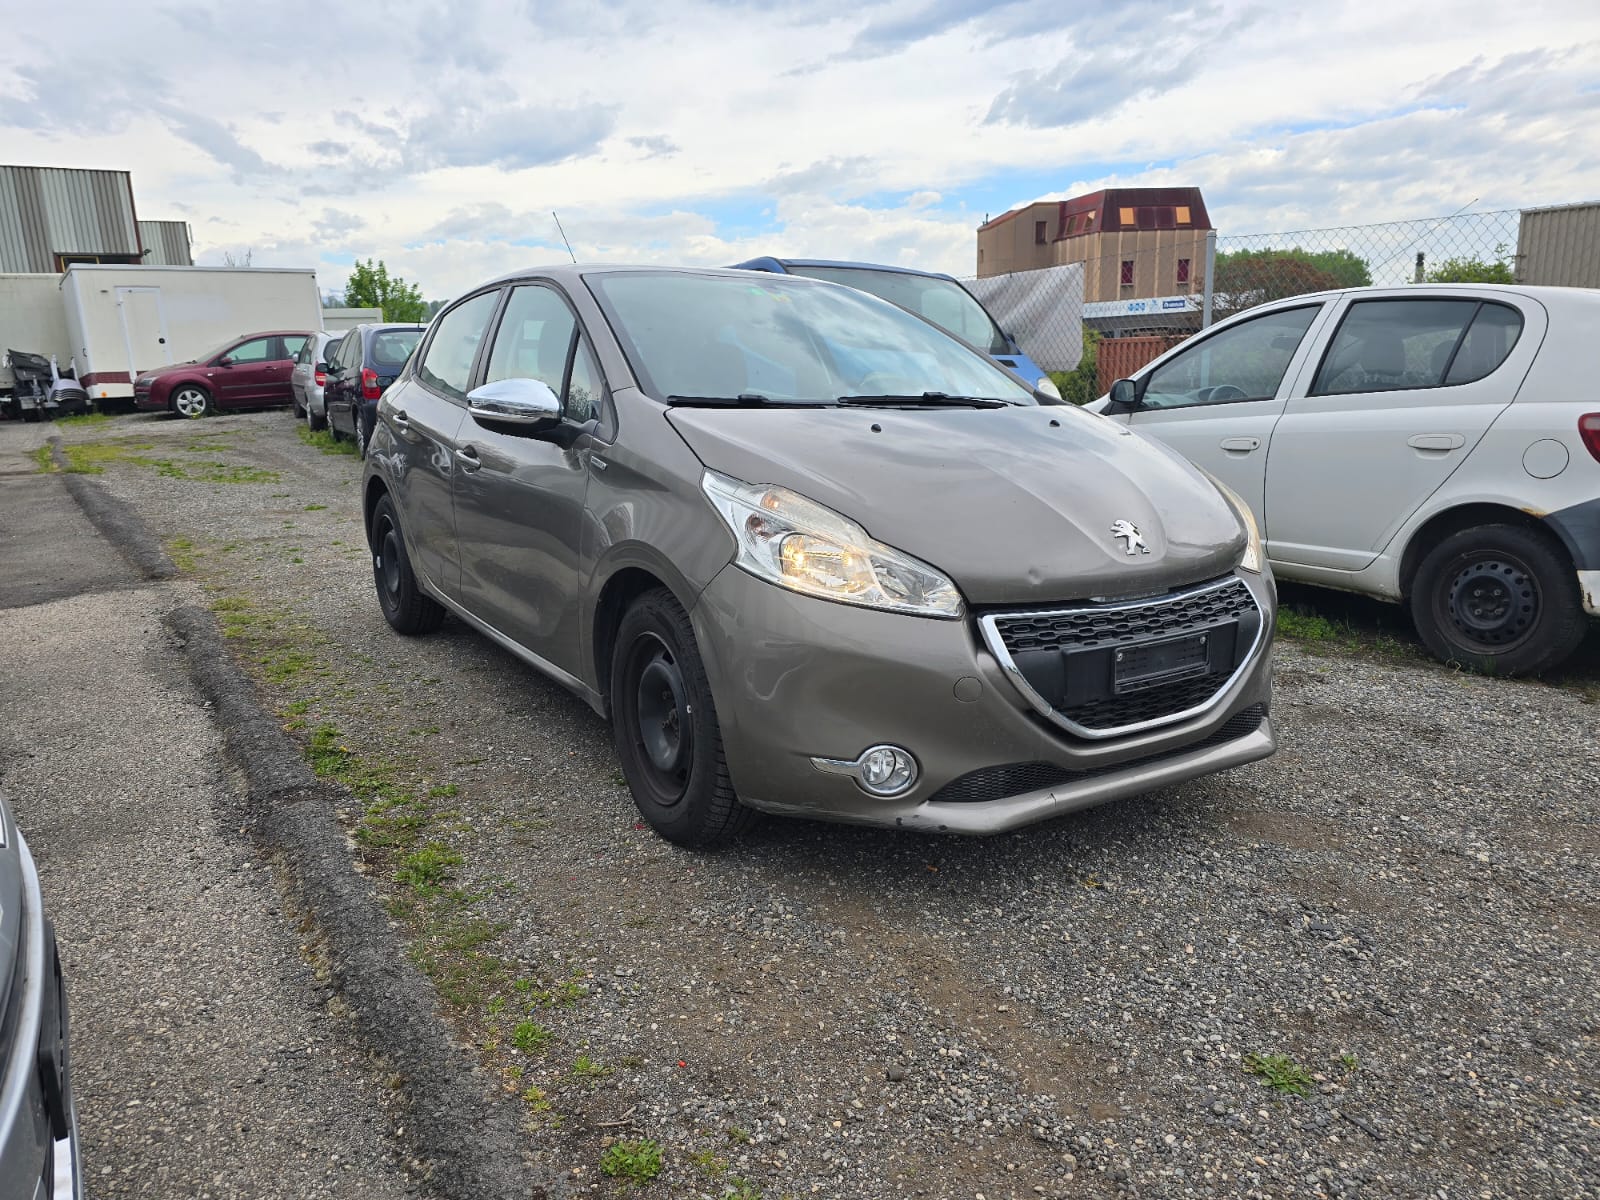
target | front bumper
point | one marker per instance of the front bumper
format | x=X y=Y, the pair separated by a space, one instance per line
x=796 y=678
x=36 y=1112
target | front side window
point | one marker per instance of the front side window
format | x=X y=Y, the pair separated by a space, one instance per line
x=254 y=351
x=1394 y=345
x=721 y=336
x=583 y=388
x=534 y=337
x=331 y=350
x=447 y=366
x=1244 y=362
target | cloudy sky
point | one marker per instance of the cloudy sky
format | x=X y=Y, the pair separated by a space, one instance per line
x=440 y=136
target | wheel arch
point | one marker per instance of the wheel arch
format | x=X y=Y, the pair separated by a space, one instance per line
x=374 y=491
x=1450 y=521
x=621 y=589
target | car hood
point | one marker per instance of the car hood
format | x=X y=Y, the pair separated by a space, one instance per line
x=1015 y=505
x=173 y=369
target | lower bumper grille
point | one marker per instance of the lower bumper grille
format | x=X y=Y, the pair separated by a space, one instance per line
x=1014 y=779
x=1103 y=670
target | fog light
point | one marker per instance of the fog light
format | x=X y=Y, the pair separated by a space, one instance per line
x=881 y=770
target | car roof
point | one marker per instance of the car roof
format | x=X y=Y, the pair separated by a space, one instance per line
x=839 y=264
x=569 y=274
x=385 y=326
x=1549 y=295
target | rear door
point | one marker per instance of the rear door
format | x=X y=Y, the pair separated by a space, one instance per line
x=1218 y=398
x=421 y=416
x=1407 y=386
x=519 y=496
x=248 y=375
x=144 y=329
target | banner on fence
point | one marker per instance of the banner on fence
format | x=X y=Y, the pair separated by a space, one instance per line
x=1042 y=310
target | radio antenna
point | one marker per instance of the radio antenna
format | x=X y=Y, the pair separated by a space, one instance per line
x=563 y=234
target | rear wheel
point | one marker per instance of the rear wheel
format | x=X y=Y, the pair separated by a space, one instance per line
x=299 y=409
x=315 y=419
x=361 y=436
x=665 y=728
x=1501 y=599
x=406 y=607
x=192 y=400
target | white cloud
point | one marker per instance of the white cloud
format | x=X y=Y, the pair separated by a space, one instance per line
x=709 y=130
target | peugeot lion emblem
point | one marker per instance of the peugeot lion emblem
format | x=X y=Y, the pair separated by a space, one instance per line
x=1131 y=537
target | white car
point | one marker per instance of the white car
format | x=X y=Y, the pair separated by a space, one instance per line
x=1437 y=445
x=310 y=376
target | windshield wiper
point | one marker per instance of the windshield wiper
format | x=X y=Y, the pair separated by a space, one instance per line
x=742 y=400
x=926 y=400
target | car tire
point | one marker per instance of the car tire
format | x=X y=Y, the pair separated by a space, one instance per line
x=316 y=420
x=407 y=608
x=360 y=436
x=192 y=400
x=299 y=409
x=664 y=725
x=1501 y=599
x=333 y=430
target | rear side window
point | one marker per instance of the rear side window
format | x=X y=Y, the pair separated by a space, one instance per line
x=391 y=347
x=257 y=350
x=1396 y=345
x=447 y=366
x=293 y=345
x=330 y=351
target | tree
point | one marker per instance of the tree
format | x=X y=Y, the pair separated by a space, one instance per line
x=371 y=286
x=1471 y=270
x=230 y=259
x=1246 y=278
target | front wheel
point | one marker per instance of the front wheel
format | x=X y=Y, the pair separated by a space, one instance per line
x=192 y=401
x=1501 y=599
x=406 y=607
x=664 y=725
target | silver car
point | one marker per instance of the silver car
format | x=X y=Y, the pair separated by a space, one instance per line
x=812 y=555
x=310 y=376
x=39 y=1158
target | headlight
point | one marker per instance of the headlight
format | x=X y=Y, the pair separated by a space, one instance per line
x=1252 y=547
x=1048 y=387
x=797 y=543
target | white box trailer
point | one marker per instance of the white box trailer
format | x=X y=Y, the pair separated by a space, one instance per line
x=125 y=320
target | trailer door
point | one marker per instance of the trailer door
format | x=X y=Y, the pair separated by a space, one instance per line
x=144 y=329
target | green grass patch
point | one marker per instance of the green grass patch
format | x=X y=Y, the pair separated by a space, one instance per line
x=1280 y=1073
x=44 y=460
x=324 y=441
x=632 y=1161
x=584 y=1067
x=428 y=867
x=98 y=418
x=315 y=507
x=529 y=1036
x=92 y=458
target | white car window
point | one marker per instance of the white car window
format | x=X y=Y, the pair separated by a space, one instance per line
x=1402 y=344
x=1243 y=362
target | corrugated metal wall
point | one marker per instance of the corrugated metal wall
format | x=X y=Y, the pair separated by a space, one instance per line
x=1560 y=246
x=45 y=211
x=167 y=242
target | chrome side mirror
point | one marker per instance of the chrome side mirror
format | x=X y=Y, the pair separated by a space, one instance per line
x=527 y=403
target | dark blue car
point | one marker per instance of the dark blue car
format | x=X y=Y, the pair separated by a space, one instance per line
x=937 y=298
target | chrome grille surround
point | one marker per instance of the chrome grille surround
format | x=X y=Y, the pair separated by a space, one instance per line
x=1124 y=623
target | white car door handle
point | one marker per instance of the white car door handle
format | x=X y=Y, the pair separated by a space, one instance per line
x=468 y=458
x=1245 y=444
x=1436 y=441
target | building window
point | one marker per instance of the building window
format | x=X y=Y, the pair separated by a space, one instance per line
x=1127 y=272
x=1088 y=223
x=1183 y=214
x=980 y=256
x=1125 y=215
x=1183 y=270
x=1164 y=218
x=1038 y=232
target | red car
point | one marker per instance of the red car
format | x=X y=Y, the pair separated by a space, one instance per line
x=250 y=371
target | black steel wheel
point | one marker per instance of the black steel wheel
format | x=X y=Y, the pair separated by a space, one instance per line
x=1502 y=599
x=664 y=725
x=406 y=607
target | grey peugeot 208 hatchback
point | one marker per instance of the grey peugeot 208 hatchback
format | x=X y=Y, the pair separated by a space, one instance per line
x=812 y=555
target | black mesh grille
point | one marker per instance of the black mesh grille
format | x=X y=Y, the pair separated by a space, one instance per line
x=1077 y=661
x=1159 y=617
x=996 y=783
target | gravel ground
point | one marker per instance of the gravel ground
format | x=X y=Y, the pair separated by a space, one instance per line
x=1403 y=901
x=204 y=1061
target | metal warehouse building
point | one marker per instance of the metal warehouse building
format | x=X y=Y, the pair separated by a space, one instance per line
x=1560 y=246
x=52 y=217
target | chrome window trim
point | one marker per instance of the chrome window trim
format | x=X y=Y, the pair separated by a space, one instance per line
x=988 y=624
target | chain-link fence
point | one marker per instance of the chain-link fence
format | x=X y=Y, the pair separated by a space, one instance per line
x=1142 y=291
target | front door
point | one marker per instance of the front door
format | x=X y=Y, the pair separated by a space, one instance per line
x=248 y=376
x=144 y=329
x=519 y=497
x=1216 y=400
x=421 y=417
x=1407 y=387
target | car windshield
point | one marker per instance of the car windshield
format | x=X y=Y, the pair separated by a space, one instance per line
x=772 y=337
x=943 y=301
x=391 y=347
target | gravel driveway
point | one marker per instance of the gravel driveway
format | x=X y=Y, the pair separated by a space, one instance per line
x=1396 y=915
